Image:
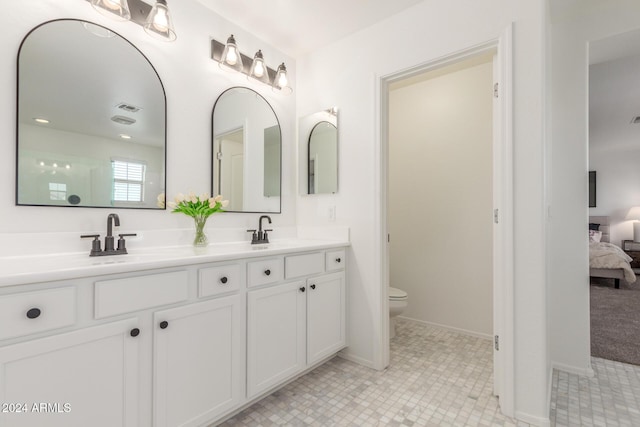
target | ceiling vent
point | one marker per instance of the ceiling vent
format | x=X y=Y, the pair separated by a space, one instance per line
x=123 y=120
x=128 y=107
x=635 y=120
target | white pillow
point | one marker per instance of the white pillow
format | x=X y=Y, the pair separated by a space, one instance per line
x=595 y=236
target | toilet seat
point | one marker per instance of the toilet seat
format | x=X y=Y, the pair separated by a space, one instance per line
x=396 y=294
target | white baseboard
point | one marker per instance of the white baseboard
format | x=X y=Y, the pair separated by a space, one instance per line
x=533 y=420
x=588 y=372
x=356 y=359
x=450 y=328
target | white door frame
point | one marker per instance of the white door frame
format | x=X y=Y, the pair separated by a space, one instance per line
x=503 y=294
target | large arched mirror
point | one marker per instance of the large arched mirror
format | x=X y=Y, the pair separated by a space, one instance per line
x=246 y=152
x=91 y=120
x=319 y=152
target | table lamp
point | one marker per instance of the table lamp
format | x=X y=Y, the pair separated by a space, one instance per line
x=634 y=215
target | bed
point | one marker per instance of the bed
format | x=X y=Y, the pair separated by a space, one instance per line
x=605 y=259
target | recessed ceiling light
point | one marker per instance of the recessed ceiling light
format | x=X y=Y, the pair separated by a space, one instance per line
x=124 y=136
x=41 y=120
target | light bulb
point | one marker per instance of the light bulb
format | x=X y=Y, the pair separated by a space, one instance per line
x=282 y=80
x=232 y=56
x=258 y=71
x=161 y=21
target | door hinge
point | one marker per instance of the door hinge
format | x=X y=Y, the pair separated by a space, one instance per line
x=496 y=342
x=495 y=90
x=388 y=238
x=496 y=216
x=219 y=155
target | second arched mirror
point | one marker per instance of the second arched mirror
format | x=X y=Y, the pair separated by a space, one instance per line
x=319 y=152
x=246 y=152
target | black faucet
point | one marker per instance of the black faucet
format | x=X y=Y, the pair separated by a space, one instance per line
x=261 y=236
x=112 y=219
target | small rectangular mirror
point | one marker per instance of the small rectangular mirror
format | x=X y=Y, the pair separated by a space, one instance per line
x=318 y=139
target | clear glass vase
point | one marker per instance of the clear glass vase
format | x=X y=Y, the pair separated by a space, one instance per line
x=200 y=239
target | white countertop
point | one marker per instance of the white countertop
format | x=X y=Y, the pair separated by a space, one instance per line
x=19 y=270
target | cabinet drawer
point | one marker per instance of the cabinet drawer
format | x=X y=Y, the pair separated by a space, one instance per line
x=304 y=265
x=336 y=260
x=120 y=296
x=219 y=279
x=30 y=312
x=265 y=271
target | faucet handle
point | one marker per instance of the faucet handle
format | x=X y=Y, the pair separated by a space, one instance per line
x=95 y=245
x=122 y=243
x=254 y=236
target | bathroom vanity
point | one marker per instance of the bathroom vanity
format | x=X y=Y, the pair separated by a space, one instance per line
x=164 y=337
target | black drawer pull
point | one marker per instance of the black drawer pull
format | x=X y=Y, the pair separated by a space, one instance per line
x=302 y=289
x=313 y=286
x=224 y=280
x=267 y=272
x=135 y=332
x=164 y=324
x=34 y=313
x=338 y=260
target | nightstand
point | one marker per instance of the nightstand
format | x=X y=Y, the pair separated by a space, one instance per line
x=632 y=249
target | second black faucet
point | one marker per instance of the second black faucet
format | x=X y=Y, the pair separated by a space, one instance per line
x=261 y=236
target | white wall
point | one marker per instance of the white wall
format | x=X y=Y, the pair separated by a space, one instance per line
x=192 y=82
x=347 y=74
x=440 y=198
x=614 y=148
x=568 y=254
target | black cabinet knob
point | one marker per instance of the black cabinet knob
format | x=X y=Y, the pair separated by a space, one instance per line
x=267 y=272
x=302 y=289
x=164 y=324
x=338 y=260
x=313 y=286
x=135 y=332
x=34 y=313
x=224 y=280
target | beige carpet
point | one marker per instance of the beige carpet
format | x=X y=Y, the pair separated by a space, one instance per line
x=615 y=323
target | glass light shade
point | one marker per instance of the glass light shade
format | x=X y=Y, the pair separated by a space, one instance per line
x=281 y=81
x=114 y=9
x=258 y=70
x=159 y=23
x=231 y=57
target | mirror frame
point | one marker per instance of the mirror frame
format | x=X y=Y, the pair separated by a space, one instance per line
x=213 y=137
x=164 y=96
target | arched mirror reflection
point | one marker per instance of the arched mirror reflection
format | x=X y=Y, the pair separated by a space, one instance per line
x=246 y=152
x=319 y=143
x=91 y=120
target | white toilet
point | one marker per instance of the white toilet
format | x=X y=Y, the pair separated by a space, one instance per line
x=398 y=301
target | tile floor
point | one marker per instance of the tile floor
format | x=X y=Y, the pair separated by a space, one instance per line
x=438 y=378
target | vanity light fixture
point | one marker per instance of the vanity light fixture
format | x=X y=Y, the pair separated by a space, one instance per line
x=155 y=20
x=114 y=9
x=230 y=58
x=159 y=23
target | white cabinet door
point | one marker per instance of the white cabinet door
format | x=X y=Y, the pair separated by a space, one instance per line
x=198 y=361
x=275 y=335
x=83 y=378
x=325 y=316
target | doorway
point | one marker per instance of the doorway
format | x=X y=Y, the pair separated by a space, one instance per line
x=502 y=212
